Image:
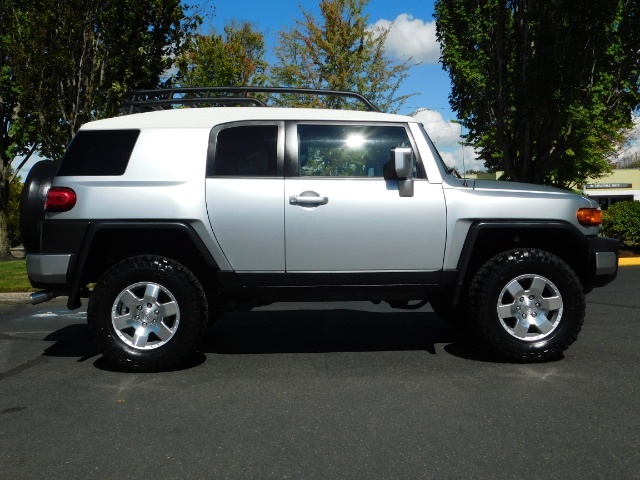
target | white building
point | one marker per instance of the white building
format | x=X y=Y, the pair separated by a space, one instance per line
x=623 y=185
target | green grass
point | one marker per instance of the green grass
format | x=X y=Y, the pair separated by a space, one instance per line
x=13 y=276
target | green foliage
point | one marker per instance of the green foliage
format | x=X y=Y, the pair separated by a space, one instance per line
x=545 y=89
x=339 y=52
x=11 y=141
x=622 y=221
x=72 y=59
x=233 y=59
x=67 y=62
x=14 y=134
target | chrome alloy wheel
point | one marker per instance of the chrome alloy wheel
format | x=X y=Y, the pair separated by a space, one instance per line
x=145 y=315
x=530 y=307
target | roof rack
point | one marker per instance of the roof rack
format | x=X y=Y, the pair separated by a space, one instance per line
x=139 y=101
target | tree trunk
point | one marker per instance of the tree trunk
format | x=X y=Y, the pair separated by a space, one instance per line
x=4 y=237
x=4 y=204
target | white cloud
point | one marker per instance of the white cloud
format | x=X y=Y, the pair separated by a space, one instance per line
x=454 y=159
x=411 y=37
x=445 y=134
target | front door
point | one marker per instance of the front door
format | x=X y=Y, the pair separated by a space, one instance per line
x=342 y=216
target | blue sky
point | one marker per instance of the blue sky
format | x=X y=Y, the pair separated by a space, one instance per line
x=412 y=34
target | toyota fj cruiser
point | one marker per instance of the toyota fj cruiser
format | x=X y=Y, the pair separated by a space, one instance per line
x=162 y=217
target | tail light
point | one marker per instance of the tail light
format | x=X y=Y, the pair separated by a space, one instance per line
x=590 y=217
x=60 y=199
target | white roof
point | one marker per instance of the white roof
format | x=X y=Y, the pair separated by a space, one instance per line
x=207 y=117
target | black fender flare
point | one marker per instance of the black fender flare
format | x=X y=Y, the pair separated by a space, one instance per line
x=480 y=227
x=80 y=260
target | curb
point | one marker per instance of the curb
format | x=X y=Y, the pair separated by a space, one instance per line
x=629 y=261
x=19 y=297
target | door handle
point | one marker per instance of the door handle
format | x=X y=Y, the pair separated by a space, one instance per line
x=308 y=198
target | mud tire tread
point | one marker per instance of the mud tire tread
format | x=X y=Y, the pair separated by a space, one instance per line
x=492 y=277
x=183 y=285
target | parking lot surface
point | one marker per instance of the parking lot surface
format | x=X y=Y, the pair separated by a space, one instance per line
x=334 y=390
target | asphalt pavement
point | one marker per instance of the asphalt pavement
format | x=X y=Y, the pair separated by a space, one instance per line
x=319 y=391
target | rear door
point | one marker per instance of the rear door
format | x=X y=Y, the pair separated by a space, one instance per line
x=245 y=194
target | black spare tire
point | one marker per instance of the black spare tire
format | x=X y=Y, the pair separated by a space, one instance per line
x=34 y=194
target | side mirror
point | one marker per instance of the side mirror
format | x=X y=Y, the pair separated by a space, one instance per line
x=402 y=159
x=400 y=167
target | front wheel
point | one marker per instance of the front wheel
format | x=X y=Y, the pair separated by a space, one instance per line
x=147 y=313
x=527 y=305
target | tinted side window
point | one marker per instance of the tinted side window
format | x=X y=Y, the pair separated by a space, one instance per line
x=347 y=150
x=98 y=152
x=247 y=151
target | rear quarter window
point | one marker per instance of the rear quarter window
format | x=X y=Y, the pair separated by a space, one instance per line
x=98 y=153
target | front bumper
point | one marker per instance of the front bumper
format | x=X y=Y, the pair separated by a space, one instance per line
x=603 y=258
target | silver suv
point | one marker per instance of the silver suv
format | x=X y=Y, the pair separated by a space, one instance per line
x=176 y=213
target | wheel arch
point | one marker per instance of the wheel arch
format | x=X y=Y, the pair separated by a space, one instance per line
x=488 y=238
x=103 y=247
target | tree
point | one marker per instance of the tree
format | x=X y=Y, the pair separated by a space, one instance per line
x=233 y=59
x=74 y=58
x=17 y=135
x=65 y=63
x=339 y=52
x=629 y=161
x=545 y=89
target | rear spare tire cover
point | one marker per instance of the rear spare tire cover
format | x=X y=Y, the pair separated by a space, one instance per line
x=34 y=194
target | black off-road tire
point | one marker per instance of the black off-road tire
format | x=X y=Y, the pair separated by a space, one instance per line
x=147 y=313
x=32 y=199
x=527 y=305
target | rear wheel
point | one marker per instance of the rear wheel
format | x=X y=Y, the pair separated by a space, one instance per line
x=147 y=313
x=527 y=305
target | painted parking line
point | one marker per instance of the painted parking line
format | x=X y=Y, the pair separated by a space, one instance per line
x=60 y=313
